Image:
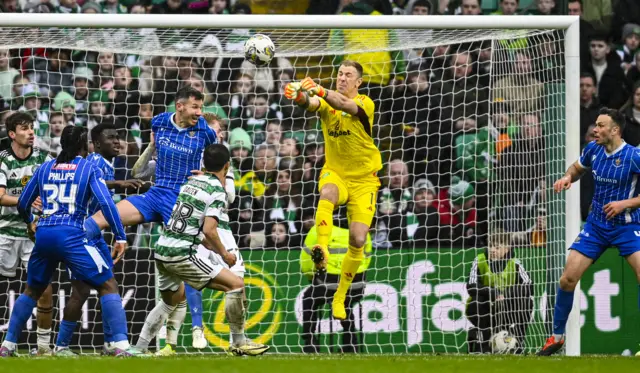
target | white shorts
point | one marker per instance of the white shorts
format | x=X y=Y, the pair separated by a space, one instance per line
x=197 y=271
x=13 y=253
x=237 y=269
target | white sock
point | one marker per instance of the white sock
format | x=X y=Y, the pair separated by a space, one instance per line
x=234 y=311
x=107 y=345
x=557 y=337
x=44 y=337
x=153 y=323
x=10 y=345
x=174 y=323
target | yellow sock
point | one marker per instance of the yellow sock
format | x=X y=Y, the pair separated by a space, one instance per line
x=350 y=265
x=324 y=222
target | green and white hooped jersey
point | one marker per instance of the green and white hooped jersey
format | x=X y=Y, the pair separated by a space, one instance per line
x=201 y=196
x=15 y=173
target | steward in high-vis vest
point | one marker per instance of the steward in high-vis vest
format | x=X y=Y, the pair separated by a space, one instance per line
x=500 y=295
x=324 y=285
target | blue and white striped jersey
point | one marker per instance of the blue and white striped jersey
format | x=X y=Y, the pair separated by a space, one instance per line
x=616 y=178
x=108 y=173
x=65 y=190
x=179 y=149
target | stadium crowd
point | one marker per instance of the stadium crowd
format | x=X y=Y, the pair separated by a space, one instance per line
x=456 y=123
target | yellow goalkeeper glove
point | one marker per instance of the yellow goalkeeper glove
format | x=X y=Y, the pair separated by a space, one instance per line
x=313 y=89
x=294 y=92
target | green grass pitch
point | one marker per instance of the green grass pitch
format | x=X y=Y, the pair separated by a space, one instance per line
x=325 y=364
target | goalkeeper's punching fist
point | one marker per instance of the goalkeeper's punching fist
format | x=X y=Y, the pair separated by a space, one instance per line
x=349 y=175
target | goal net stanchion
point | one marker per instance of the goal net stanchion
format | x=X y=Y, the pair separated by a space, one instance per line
x=451 y=117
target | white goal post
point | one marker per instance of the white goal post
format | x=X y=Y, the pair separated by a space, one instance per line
x=81 y=32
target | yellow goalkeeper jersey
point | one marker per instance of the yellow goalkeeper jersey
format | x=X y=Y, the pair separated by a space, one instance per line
x=348 y=140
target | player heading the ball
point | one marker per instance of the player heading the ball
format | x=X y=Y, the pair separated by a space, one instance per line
x=349 y=175
x=614 y=217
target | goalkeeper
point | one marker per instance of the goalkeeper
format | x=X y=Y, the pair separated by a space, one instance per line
x=349 y=175
x=500 y=292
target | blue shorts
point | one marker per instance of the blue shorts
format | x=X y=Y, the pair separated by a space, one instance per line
x=156 y=204
x=103 y=250
x=68 y=245
x=593 y=240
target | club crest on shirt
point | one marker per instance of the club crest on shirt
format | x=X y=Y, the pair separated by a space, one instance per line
x=618 y=162
x=192 y=133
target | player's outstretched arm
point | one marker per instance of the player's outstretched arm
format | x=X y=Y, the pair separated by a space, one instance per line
x=143 y=166
x=335 y=99
x=101 y=193
x=573 y=174
x=293 y=91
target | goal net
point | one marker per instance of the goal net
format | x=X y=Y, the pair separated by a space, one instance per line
x=471 y=127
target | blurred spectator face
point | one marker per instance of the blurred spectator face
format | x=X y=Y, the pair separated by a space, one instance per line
x=81 y=86
x=69 y=112
x=279 y=234
x=217 y=6
x=288 y=148
x=461 y=65
x=19 y=83
x=239 y=154
x=348 y=79
x=274 y=133
x=500 y=120
x=122 y=77
x=509 y=7
x=531 y=127
x=196 y=83
x=440 y=50
x=314 y=153
x=4 y=59
x=10 y=6
x=587 y=90
x=418 y=82
x=545 y=6
x=186 y=66
x=599 y=50
x=498 y=251
x=138 y=9
x=98 y=108
x=423 y=199
x=174 y=4
x=170 y=63
x=56 y=124
x=260 y=106
x=145 y=112
x=398 y=174
x=284 y=181
x=522 y=64
x=32 y=103
x=485 y=54
x=470 y=8
x=590 y=135
x=217 y=127
x=68 y=3
x=575 y=8
x=243 y=85
x=632 y=41
x=106 y=61
x=265 y=160
x=420 y=10
x=636 y=99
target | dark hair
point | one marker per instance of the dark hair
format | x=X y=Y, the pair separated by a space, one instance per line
x=73 y=141
x=499 y=237
x=350 y=63
x=187 y=92
x=97 y=130
x=55 y=114
x=216 y=156
x=424 y=3
x=585 y=74
x=19 y=118
x=575 y=1
x=599 y=37
x=616 y=116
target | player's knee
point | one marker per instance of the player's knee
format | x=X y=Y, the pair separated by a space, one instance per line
x=330 y=193
x=46 y=299
x=568 y=282
x=357 y=239
x=109 y=287
x=34 y=292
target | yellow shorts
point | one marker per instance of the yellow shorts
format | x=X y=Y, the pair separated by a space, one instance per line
x=360 y=195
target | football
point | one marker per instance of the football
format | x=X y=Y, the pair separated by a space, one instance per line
x=259 y=50
x=503 y=343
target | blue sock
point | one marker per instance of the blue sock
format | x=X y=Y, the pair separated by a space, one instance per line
x=106 y=330
x=67 y=328
x=113 y=314
x=564 y=303
x=194 y=299
x=91 y=228
x=22 y=310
